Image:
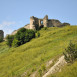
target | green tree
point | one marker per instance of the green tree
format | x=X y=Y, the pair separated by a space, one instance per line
x=10 y=40
x=37 y=34
x=1 y=39
x=15 y=43
x=23 y=36
x=70 y=53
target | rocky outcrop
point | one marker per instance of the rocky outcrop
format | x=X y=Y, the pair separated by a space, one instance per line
x=56 y=67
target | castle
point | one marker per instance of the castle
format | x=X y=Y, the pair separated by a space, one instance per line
x=1 y=34
x=45 y=22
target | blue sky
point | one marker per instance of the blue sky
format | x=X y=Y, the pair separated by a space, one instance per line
x=16 y=13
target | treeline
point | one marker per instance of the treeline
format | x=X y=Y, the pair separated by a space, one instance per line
x=21 y=37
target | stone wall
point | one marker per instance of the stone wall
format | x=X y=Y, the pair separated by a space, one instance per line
x=54 y=23
x=37 y=22
x=45 y=21
x=34 y=22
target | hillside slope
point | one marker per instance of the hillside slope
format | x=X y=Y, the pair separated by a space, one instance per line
x=67 y=71
x=32 y=55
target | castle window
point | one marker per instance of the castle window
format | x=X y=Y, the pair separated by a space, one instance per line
x=42 y=22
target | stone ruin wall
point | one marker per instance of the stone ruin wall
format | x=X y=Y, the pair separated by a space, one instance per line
x=45 y=22
x=54 y=23
x=37 y=22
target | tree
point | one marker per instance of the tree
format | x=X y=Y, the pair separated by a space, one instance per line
x=1 y=39
x=10 y=40
x=15 y=43
x=70 y=53
x=37 y=34
x=23 y=36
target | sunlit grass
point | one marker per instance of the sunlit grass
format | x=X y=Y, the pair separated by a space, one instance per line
x=52 y=42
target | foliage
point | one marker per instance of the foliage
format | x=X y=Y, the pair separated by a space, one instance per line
x=71 y=53
x=21 y=37
x=9 y=40
x=40 y=72
x=1 y=39
x=37 y=34
x=39 y=28
x=43 y=68
x=45 y=28
x=15 y=43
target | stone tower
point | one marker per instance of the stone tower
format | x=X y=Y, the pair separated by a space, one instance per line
x=45 y=21
x=32 y=23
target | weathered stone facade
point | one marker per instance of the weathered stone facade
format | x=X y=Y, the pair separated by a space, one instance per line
x=37 y=22
x=1 y=34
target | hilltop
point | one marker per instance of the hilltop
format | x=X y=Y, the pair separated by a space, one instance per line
x=34 y=55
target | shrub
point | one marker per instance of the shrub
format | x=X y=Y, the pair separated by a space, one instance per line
x=37 y=34
x=1 y=39
x=43 y=67
x=31 y=34
x=40 y=72
x=41 y=27
x=10 y=40
x=23 y=36
x=45 y=28
x=15 y=43
x=70 y=53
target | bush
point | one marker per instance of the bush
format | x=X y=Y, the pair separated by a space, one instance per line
x=43 y=67
x=37 y=34
x=45 y=28
x=15 y=43
x=70 y=53
x=23 y=36
x=40 y=72
x=1 y=39
x=20 y=36
x=10 y=40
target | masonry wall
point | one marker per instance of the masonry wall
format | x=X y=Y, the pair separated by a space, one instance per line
x=45 y=21
x=55 y=23
x=34 y=22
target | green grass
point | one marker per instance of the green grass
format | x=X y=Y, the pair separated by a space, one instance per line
x=32 y=55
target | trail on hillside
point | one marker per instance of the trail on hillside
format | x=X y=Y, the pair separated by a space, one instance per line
x=56 y=67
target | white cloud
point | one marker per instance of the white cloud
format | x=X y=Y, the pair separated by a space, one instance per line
x=7 y=26
x=6 y=23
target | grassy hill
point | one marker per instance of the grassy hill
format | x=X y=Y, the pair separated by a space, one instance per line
x=32 y=55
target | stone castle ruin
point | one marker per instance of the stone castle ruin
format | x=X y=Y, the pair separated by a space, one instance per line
x=1 y=34
x=45 y=22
